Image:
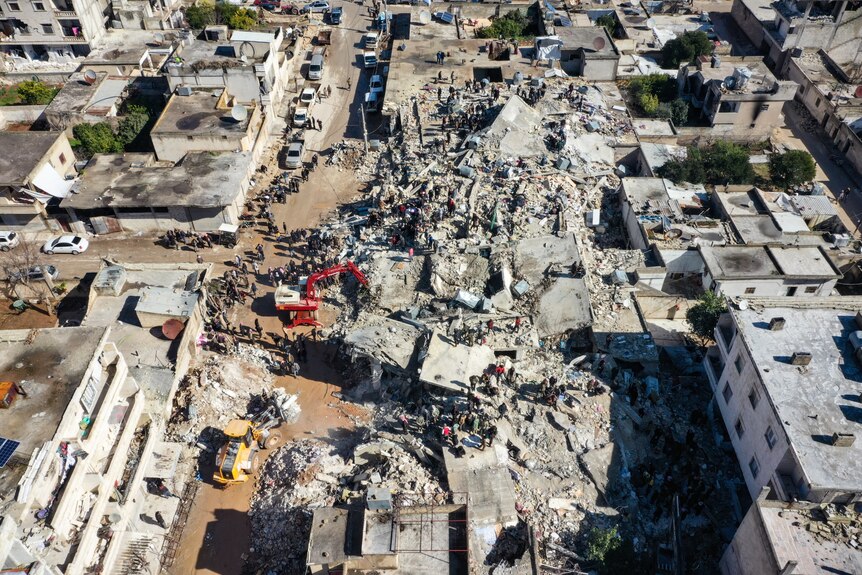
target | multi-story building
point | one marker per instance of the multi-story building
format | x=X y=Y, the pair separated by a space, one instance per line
x=786 y=381
x=53 y=30
x=736 y=95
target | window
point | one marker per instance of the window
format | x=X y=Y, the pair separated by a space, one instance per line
x=190 y=138
x=739 y=362
x=750 y=291
x=740 y=429
x=770 y=437
x=38 y=7
x=48 y=28
x=727 y=393
x=812 y=289
x=764 y=107
x=754 y=467
x=63 y=159
x=753 y=398
x=14 y=6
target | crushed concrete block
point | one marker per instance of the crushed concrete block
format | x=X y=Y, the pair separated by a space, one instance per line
x=466 y=171
x=485 y=306
x=593 y=126
x=619 y=277
x=600 y=465
x=560 y=420
x=564 y=504
x=562 y=164
x=520 y=288
x=467 y=299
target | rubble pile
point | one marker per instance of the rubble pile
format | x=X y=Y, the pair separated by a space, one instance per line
x=217 y=391
x=285 y=487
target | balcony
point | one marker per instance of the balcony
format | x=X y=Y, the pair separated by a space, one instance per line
x=714 y=367
x=33 y=39
x=65 y=14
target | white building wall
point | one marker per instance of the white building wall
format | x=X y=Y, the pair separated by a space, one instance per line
x=772 y=288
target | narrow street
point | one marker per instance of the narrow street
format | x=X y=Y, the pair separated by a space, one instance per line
x=216 y=537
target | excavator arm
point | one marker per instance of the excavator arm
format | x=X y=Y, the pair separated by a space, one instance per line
x=311 y=292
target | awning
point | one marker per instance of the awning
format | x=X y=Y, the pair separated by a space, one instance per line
x=51 y=183
x=548 y=48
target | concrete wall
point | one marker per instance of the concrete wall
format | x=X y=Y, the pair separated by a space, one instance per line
x=654 y=306
x=597 y=69
x=20 y=115
x=750 y=552
x=755 y=421
x=747 y=22
x=768 y=287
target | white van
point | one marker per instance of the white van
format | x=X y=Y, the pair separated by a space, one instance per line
x=369 y=59
x=370 y=40
x=315 y=68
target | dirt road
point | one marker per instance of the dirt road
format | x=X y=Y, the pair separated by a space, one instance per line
x=216 y=538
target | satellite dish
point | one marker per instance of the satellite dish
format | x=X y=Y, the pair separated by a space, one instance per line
x=858 y=92
x=424 y=17
x=730 y=82
x=159 y=38
x=650 y=22
x=598 y=43
x=172 y=328
x=239 y=113
x=90 y=77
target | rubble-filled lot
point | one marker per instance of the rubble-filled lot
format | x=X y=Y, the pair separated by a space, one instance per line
x=501 y=313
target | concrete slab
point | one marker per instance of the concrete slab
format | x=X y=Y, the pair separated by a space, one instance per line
x=449 y=365
x=163 y=464
x=564 y=306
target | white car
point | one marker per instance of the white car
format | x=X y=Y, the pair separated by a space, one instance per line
x=308 y=96
x=370 y=40
x=316 y=6
x=375 y=86
x=369 y=59
x=300 y=117
x=8 y=240
x=66 y=245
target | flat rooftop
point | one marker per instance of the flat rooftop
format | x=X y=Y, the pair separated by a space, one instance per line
x=449 y=366
x=131 y=47
x=201 y=179
x=50 y=368
x=202 y=55
x=657 y=155
x=752 y=262
x=820 y=400
x=788 y=529
x=761 y=80
x=200 y=114
x=22 y=152
x=585 y=37
x=141 y=346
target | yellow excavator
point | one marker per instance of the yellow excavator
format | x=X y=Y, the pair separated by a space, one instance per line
x=238 y=458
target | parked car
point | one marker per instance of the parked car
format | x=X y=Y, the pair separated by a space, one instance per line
x=370 y=40
x=293 y=158
x=318 y=6
x=375 y=86
x=66 y=245
x=369 y=59
x=308 y=96
x=335 y=16
x=8 y=240
x=300 y=117
x=35 y=273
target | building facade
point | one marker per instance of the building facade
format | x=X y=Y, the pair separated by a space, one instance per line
x=52 y=30
x=780 y=377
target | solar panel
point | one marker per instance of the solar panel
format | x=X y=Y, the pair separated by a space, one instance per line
x=7 y=448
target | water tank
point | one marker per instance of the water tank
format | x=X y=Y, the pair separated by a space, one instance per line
x=741 y=77
x=518 y=78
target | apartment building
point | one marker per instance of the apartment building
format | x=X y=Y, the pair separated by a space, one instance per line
x=785 y=377
x=52 y=30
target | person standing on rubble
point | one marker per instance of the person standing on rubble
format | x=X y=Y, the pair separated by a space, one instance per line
x=404 y=422
x=294 y=369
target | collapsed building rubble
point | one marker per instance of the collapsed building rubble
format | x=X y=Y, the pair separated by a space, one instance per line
x=500 y=339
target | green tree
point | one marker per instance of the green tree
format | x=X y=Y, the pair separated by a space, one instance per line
x=608 y=22
x=721 y=163
x=728 y=163
x=96 y=139
x=647 y=92
x=703 y=316
x=132 y=124
x=685 y=48
x=35 y=92
x=600 y=542
x=511 y=25
x=648 y=103
x=200 y=15
x=791 y=168
x=675 y=111
x=243 y=19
